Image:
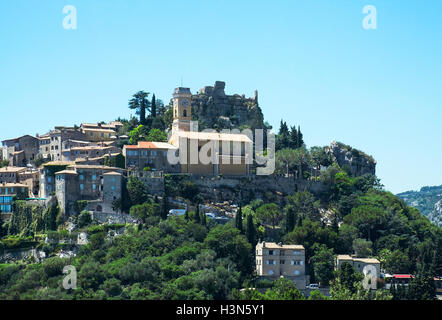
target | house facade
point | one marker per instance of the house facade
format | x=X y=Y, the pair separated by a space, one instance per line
x=149 y=155
x=277 y=260
x=20 y=151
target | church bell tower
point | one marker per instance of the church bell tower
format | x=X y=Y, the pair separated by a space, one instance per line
x=182 y=110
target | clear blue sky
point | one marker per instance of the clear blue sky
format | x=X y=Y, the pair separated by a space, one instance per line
x=312 y=62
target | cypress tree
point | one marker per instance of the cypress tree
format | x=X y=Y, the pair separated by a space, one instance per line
x=197 y=214
x=293 y=137
x=203 y=219
x=250 y=231
x=154 y=106
x=165 y=207
x=300 y=141
x=290 y=220
x=238 y=220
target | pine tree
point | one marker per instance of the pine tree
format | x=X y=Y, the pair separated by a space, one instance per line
x=238 y=220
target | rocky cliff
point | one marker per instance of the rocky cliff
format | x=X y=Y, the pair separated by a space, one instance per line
x=357 y=161
x=214 y=109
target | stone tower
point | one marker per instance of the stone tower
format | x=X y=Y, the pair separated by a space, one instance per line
x=182 y=110
x=112 y=189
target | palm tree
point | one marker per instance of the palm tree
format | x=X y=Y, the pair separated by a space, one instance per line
x=140 y=103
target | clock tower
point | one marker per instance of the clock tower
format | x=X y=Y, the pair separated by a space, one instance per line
x=182 y=110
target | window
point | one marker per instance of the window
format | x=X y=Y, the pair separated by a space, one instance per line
x=94 y=187
x=271 y=272
x=281 y=261
x=271 y=252
x=81 y=177
x=113 y=187
x=81 y=187
x=297 y=273
x=94 y=177
x=296 y=252
x=271 y=262
x=153 y=153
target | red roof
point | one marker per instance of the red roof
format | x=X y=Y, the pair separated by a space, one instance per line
x=403 y=276
x=146 y=145
x=142 y=145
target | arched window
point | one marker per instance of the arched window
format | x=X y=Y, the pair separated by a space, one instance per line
x=185 y=113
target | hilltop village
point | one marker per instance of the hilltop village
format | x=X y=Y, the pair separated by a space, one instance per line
x=319 y=219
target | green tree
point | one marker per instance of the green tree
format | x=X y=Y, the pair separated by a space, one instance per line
x=283 y=289
x=269 y=214
x=164 y=207
x=362 y=248
x=238 y=220
x=141 y=104
x=323 y=265
x=153 y=108
x=84 y=219
x=137 y=191
x=156 y=135
x=250 y=230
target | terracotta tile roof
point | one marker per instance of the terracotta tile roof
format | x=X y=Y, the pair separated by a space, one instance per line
x=151 y=145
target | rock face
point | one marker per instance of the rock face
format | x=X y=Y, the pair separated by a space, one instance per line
x=436 y=215
x=358 y=162
x=428 y=200
x=214 y=109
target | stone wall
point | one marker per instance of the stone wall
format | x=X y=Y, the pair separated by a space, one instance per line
x=219 y=189
x=112 y=218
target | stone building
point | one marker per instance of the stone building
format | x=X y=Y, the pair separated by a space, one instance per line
x=21 y=175
x=100 y=132
x=99 y=185
x=277 y=260
x=47 y=176
x=10 y=174
x=362 y=265
x=58 y=138
x=9 y=192
x=151 y=155
x=89 y=151
x=20 y=151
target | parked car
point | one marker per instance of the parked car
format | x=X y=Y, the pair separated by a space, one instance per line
x=312 y=286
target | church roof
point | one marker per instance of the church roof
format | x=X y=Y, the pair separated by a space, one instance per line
x=195 y=135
